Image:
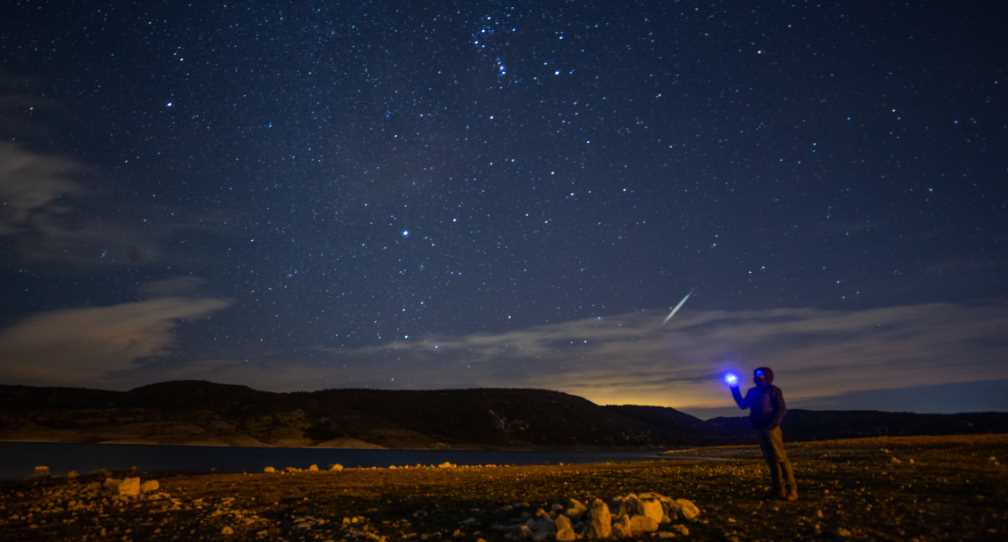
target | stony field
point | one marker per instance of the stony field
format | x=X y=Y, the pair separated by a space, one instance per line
x=908 y=488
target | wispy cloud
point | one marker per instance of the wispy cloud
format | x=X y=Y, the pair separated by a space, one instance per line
x=632 y=358
x=88 y=346
x=172 y=286
x=44 y=217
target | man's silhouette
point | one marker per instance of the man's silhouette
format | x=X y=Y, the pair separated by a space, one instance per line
x=766 y=412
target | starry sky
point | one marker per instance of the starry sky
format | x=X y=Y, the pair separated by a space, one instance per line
x=407 y=195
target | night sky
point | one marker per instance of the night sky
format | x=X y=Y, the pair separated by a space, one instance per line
x=490 y=194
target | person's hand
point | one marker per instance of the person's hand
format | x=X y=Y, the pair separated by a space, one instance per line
x=732 y=380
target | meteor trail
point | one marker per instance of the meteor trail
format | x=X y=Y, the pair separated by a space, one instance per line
x=676 y=308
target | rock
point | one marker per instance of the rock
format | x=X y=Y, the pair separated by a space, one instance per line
x=645 y=504
x=681 y=529
x=641 y=524
x=575 y=508
x=335 y=467
x=72 y=475
x=269 y=470
x=130 y=487
x=112 y=483
x=895 y=460
x=446 y=465
x=149 y=486
x=621 y=527
x=629 y=505
x=600 y=520
x=682 y=508
x=843 y=533
x=564 y=529
x=313 y=468
x=41 y=470
x=227 y=531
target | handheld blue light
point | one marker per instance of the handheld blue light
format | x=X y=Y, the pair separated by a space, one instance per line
x=730 y=379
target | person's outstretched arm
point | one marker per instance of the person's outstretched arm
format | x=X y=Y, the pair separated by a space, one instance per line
x=780 y=409
x=742 y=402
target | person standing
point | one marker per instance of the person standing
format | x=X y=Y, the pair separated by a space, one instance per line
x=766 y=412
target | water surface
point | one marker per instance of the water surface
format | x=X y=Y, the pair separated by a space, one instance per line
x=18 y=459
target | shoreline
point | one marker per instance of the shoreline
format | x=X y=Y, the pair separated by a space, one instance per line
x=925 y=487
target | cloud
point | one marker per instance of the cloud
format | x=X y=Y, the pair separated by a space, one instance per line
x=88 y=346
x=632 y=358
x=44 y=216
x=31 y=186
x=172 y=286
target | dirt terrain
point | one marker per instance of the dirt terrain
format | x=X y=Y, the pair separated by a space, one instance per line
x=896 y=488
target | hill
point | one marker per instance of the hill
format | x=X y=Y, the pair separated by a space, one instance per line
x=205 y=413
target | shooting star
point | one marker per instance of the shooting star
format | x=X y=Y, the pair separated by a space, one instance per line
x=676 y=308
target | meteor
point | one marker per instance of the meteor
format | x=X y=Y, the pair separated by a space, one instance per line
x=676 y=308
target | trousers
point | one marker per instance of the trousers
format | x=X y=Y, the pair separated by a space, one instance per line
x=772 y=444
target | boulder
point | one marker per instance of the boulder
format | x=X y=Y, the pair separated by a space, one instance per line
x=681 y=529
x=447 y=465
x=600 y=520
x=227 y=530
x=686 y=509
x=149 y=486
x=313 y=468
x=575 y=508
x=650 y=505
x=269 y=470
x=564 y=529
x=621 y=527
x=72 y=475
x=335 y=467
x=130 y=487
x=641 y=524
x=41 y=470
x=112 y=483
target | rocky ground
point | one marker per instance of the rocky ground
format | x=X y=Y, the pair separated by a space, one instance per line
x=907 y=488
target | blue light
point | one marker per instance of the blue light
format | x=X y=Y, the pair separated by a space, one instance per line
x=730 y=379
x=404 y=233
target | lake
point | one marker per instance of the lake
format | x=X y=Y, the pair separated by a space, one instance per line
x=17 y=459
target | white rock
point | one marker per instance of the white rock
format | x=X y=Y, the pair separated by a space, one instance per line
x=130 y=487
x=621 y=527
x=564 y=529
x=641 y=524
x=600 y=520
x=575 y=508
x=687 y=509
